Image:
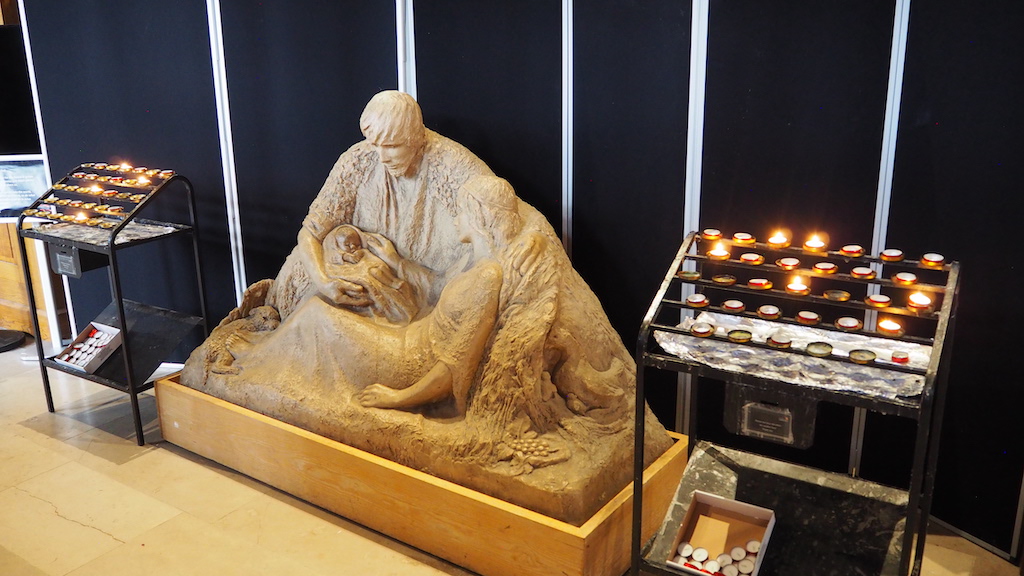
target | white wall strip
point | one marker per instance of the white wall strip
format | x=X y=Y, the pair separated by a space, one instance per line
x=695 y=116
x=567 y=125
x=886 y=166
x=41 y=263
x=897 y=59
x=227 y=147
x=699 y=17
x=406 y=32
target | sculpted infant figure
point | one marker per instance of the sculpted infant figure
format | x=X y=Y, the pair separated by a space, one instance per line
x=430 y=316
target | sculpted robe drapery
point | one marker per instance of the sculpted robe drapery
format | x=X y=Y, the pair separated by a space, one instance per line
x=416 y=214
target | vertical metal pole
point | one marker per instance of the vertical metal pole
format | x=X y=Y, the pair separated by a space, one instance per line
x=567 y=125
x=405 y=30
x=122 y=318
x=697 y=95
x=34 y=314
x=227 y=146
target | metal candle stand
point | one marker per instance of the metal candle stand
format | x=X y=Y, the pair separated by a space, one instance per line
x=930 y=327
x=86 y=219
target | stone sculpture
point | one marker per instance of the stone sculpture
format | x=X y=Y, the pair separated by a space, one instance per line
x=430 y=316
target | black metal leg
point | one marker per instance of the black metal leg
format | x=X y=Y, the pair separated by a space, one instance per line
x=37 y=333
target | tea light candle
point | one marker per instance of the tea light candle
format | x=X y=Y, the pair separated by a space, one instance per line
x=711 y=234
x=919 y=302
x=81 y=217
x=124 y=167
x=759 y=283
x=754 y=546
x=818 y=350
x=718 y=252
x=890 y=328
x=723 y=279
x=165 y=173
x=788 y=263
x=743 y=238
x=778 y=240
x=904 y=278
x=740 y=336
x=734 y=306
x=815 y=244
x=142 y=180
x=685 y=275
x=932 y=260
x=697 y=300
x=769 y=312
x=780 y=341
x=797 y=287
x=862 y=356
x=852 y=250
x=723 y=559
x=78 y=175
x=730 y=570
x=837 y=295
x=712 y=566
x=825 y=268
x=892 y=255
x=849 y=324
x=100 y=166
x=738 y=553
x=808 y=318
x=878 y=300
x=752 y=259
x=900 y=357
x=702 y=329
x=863 y=273
x=139 y=169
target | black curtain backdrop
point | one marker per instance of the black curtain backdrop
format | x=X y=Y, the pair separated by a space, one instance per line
x=796 y=96
x=631 y=78
x=489 y=76
x=122 y=80
x=299 y=75
x=956 y=191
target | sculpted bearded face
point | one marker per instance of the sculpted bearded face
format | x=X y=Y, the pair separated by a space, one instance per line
x=398 y=158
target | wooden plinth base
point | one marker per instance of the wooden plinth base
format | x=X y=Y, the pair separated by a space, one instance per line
x=473 y=530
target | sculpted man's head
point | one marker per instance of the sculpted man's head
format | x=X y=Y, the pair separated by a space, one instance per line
x=393 y=123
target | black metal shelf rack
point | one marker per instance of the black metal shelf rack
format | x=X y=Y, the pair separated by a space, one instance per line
x=903 y=554
x=86 y=219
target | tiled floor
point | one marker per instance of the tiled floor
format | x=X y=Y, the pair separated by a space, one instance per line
x=79 y=497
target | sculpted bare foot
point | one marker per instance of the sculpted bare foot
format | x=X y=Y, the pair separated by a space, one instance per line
x=379 y=396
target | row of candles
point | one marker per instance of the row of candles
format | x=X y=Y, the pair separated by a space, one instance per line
x=128 y=168
x=886 y=326
x=80 y=218
x=916 y=302
x=815 y=245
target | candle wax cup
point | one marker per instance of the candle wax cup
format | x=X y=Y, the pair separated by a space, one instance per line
x=879 y=300
x=900 y=357
x=808 y=317
x=711 y=234
x=904 y=278
x=733 y=305
x=852 y=250
x=848 y=323
x=825 y=268
x=788 y=263
x=740 y=336
x=743 y=238
x=752 y=258
x=702 y=329
x=724 y=279
x=769 y=312
x=837 y=295
x=863 y=273
x=932 y=260
x=778 y=241
x=697 y=300
x=759 y=283
x=892 y=255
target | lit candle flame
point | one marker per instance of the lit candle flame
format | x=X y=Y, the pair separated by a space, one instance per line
x=80 y=216
x=143 y=180
x=920 y=300
x=798 y=281
x=97 y=189
x=778 y=237
x=889 y=326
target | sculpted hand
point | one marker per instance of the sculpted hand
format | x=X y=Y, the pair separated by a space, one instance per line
x=345 y=293
x=533 y=246
x=383 y=248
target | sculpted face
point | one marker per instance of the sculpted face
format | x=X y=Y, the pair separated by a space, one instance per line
x=398 y=158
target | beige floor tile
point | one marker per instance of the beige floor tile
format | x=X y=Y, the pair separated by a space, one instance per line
x=325 y=542
x=21 y=459
x=13 y=565
x=92 y=499
x=188 y=482
x=35 y=530
x=186 y=545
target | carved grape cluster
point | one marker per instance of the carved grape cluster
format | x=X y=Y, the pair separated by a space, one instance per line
x=530 y=446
